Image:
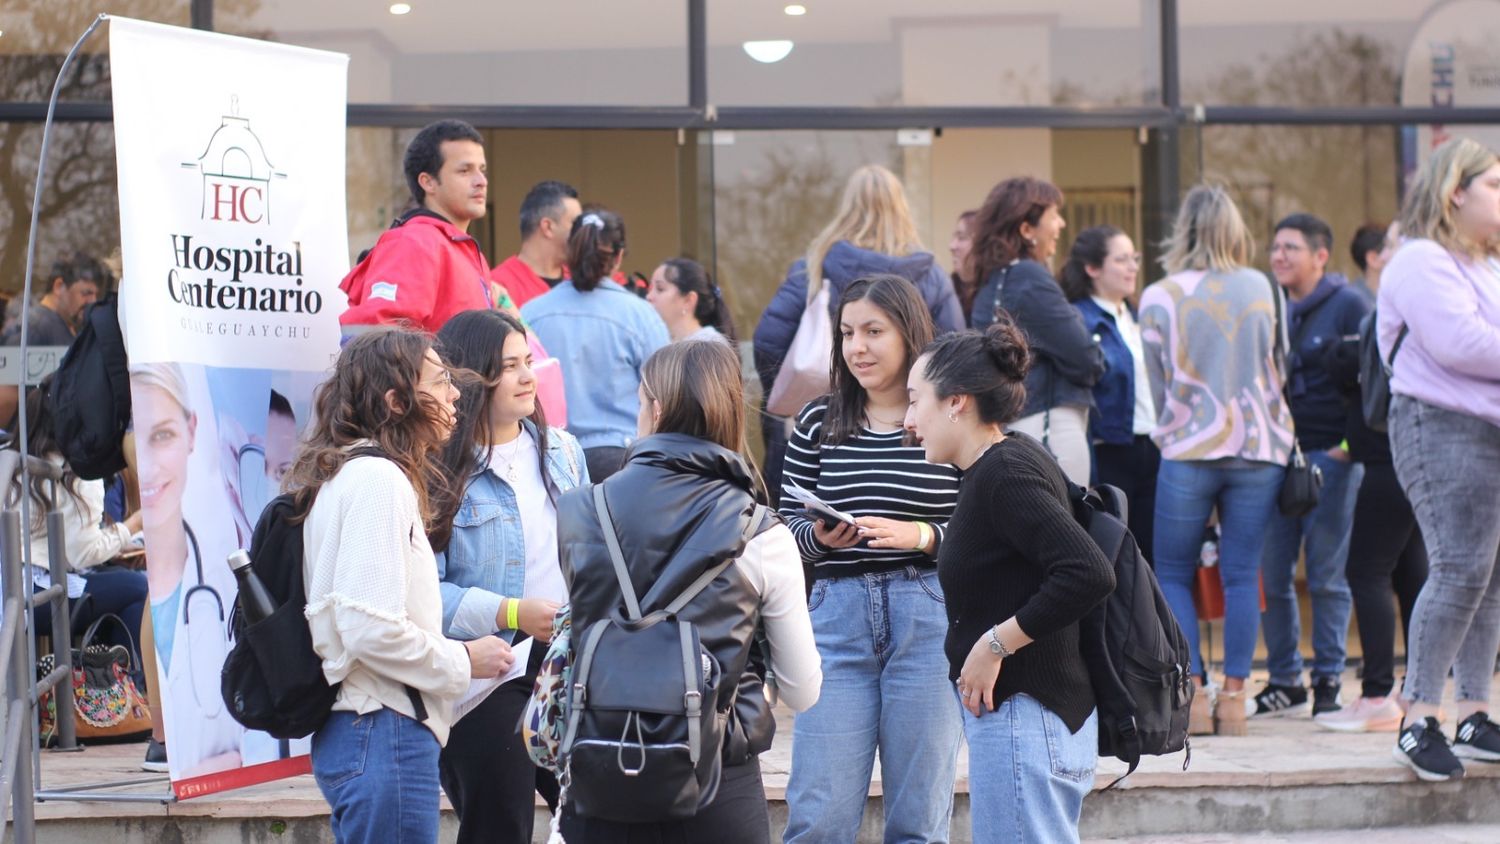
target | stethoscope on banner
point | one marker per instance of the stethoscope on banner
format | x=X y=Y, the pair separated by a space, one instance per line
x=203 y=667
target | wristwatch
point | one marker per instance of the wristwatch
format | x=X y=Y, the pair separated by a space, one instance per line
x=997 y=647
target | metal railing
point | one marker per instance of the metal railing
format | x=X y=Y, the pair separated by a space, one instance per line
x=19 y=685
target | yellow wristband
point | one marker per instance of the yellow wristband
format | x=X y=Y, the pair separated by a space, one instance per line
x=512 y=611
x=924 y=536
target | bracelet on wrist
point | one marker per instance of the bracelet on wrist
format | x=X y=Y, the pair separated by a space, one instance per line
x=512 y=614
x=924 y=536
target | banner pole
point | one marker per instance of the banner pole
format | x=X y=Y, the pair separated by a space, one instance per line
x=23 y=439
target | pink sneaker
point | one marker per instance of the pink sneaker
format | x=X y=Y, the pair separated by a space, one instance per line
x=1364 y=715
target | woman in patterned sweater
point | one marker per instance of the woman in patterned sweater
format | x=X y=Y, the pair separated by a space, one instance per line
x=1209 y=332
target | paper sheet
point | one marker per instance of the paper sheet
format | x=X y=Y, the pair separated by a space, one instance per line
x=481 y=689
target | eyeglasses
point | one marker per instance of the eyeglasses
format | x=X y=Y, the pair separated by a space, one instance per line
x=443 y=379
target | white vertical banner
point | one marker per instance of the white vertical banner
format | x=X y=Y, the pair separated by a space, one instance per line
x=234 y=237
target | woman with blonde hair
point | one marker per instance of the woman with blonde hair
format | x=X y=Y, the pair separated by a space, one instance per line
x=1210 y=335
x=871 y=234
x=1439 y=329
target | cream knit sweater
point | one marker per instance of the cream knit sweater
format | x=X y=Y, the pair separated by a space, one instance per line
x=372 y=597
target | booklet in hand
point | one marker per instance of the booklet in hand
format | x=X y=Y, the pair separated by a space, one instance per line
x=816 y=506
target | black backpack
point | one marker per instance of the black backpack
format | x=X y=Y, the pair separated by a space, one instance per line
x=272 y=679
x=1375 y=374
x=643 y=740
x=90 y=395
x=1137 y=656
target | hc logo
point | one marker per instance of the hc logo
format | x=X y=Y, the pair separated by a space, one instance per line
x=236 y=173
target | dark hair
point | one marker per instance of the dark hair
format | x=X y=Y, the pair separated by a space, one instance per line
x=351 y=406
x=899 y=300
x=41 y=441
x=81 y=266
x=545 y=199
x=280 y=405
x=473 y=342
x=689 y=276
x=1367 y=238
x=997 y=229
x=598 y=237
x=1314 y=230
x=425 y=152
x=1090 y=249
x=991 y=367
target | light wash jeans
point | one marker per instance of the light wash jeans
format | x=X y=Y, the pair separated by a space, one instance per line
x=1449 y=464
x=1187 y=491
x=1028 y=774
x=379 y=773
x=1326 y=533
x=885 y=688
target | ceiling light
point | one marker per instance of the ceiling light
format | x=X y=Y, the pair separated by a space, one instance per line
x=768 y=52
x=400 y=8
x=796 y=10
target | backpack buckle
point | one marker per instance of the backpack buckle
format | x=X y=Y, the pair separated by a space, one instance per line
x=693 y=702
x=580 y=694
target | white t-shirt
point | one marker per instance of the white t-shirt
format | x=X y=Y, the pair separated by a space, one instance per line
x=544 y=577
x=1144 y=415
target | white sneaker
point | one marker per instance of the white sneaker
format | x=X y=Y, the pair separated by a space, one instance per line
x=1364 y=715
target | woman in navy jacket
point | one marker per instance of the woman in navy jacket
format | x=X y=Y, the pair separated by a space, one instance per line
x=1099 y=279
x=1015 y=237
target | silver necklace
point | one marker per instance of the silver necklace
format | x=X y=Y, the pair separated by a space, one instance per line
x=510 y=462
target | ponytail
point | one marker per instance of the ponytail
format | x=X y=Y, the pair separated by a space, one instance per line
x=594 y=245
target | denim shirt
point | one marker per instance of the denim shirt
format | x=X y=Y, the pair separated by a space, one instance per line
x=486 y=557
x=601 y=338
x=1113 y=417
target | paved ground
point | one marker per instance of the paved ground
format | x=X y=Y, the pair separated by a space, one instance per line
x=1445 y=834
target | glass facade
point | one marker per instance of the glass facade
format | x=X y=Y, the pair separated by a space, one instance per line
x=732 y=150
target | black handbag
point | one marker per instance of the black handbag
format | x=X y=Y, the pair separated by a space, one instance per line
x=1301 y=486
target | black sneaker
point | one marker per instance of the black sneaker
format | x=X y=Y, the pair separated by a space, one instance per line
x=1478 y=738
x=1326 y=695
x=156 y=757
x=1276 y=699
x=1423 y=748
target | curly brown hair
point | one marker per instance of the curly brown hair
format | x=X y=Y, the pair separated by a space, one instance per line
x=351 y=406
x=997 y=229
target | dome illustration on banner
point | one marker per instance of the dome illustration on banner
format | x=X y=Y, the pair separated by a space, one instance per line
x=236 y=172
x=1453 y=62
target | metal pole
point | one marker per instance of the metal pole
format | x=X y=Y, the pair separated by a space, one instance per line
x=1161 y=159
x=18 y=728
x=697 y=21
x=62 y=629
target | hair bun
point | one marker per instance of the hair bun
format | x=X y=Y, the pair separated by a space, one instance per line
x=1006 y=346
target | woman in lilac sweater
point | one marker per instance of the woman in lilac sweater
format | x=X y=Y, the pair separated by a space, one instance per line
x=1439 y=323
x=1209 y=333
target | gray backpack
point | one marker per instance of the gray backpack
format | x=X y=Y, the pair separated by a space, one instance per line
x=643 y=738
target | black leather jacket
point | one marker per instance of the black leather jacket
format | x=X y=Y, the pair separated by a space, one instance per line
x=679 y=506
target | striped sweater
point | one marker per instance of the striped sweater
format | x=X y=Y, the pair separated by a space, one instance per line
x=871 y=474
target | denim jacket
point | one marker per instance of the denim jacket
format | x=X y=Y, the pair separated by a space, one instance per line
x=1113 y=417
x=486 y=558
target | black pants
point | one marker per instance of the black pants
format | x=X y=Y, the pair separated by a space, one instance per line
x=1133 y=469
x=773 y=435
x=485 y=771
x=737 y=816
x=603 y=461
x=1386 y=554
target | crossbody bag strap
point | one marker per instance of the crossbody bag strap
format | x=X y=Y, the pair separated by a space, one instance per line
x=612 y=542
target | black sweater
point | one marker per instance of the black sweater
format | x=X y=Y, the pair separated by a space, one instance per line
x=1014 y=549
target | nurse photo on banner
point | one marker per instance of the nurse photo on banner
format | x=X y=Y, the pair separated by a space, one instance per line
x=191 y=590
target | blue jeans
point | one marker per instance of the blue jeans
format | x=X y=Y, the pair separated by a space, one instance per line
x=1028 y=774
x=1186 y=493
x=1326 y=533
x=1449 y=464
x=886 y=688
x=379 y=773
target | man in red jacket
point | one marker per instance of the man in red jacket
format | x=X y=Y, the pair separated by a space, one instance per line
x=547 y=215
x=426 y=267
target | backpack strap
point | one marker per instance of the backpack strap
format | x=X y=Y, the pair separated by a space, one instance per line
x=692 y=699
x=576 y=693
x=612 y=541
x=756 y=517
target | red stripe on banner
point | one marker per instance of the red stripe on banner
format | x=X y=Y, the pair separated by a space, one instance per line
x=241 y=777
